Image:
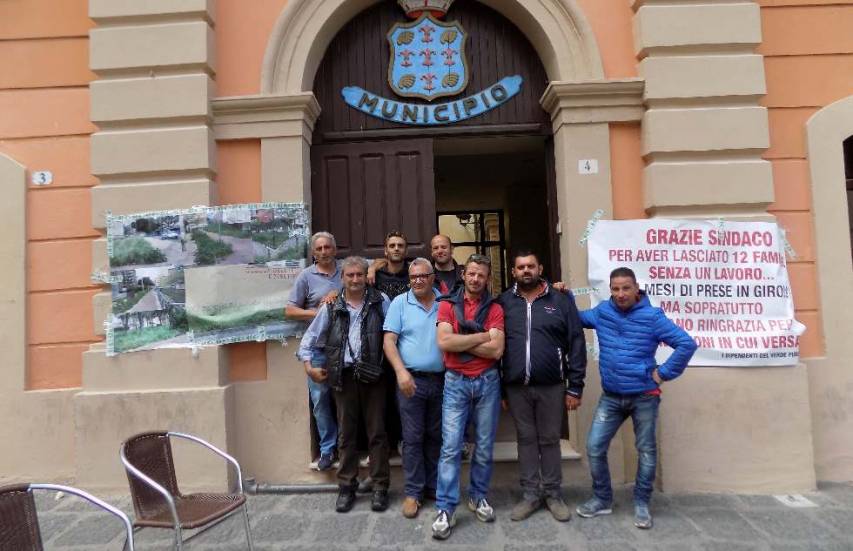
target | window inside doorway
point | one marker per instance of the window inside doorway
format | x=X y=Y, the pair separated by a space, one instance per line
x=481 y=232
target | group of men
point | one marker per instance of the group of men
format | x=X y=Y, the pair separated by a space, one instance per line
x=458 y=355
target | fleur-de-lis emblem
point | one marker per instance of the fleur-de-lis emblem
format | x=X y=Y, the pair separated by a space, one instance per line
x=427 y=55
x=406 y=54
x=426 y=31
x=428 y=78
x=448 y=54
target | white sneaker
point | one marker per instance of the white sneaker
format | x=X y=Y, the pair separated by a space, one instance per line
x=484 y=511
x=443 y=525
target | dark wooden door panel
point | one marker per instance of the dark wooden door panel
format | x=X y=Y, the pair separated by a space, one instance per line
x=361 y=191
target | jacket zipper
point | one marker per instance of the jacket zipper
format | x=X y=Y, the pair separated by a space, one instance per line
x=527 y=351
x=560 y=362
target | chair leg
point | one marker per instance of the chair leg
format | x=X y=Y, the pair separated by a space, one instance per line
x=248 y=530
x=178 y=539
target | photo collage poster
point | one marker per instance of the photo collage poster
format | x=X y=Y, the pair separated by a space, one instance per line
x=206 y=275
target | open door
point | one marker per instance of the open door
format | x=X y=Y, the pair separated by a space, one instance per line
x=554 y=269
x=361 y=191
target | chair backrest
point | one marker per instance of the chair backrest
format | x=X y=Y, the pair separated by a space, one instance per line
x=151 y=453
x=19 y=525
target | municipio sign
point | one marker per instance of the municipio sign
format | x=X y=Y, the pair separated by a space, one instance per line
x=427 y=61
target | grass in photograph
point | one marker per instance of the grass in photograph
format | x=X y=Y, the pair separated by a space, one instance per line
x=129 y=340
x=225 y=320
x=291 y=253
x=270 y=239
x=229 y=230
x=209 y=250
x=134 y=250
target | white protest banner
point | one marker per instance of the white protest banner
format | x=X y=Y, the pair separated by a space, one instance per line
x=725 y=283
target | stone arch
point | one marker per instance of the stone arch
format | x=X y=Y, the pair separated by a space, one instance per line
x=831 y=377
x=557 y=29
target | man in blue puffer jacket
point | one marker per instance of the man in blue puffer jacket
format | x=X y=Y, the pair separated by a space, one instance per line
x=629 y=331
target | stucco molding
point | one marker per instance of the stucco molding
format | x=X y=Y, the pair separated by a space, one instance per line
x=265 y=116
x=557 y=30
x=831 y=380
x=13 y=255
x=618 y=100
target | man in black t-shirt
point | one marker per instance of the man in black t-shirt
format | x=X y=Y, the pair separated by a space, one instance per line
x=392 y=278
x=448 y=274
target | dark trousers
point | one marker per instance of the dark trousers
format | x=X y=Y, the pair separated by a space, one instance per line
x=420 y=417
x=538 y=413
x=368 y=400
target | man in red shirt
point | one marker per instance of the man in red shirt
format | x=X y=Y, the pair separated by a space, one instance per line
x=470 y=333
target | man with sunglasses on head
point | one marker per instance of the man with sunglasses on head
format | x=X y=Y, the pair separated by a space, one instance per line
x=470 y=332
x=411 y=348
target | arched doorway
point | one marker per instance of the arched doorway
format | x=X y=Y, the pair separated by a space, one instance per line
x=579 y=102
x=482 y=180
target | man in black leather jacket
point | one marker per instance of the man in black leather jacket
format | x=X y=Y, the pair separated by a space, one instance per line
x=349 y=331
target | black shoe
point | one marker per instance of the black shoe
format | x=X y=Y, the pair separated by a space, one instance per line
x=325 y=463
x=345 y=501
x=379 y=502
x=365 y=486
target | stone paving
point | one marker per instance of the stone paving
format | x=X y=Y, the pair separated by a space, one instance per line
x=706 y=522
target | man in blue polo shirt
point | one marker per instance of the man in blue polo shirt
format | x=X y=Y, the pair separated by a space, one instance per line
x=411 y=348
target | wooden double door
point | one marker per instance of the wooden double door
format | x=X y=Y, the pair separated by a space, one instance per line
x=362 y=190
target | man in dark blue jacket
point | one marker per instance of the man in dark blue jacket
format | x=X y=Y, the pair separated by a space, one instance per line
x=543 y=370
x=629 y=331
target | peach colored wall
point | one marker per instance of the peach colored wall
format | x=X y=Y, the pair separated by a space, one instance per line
x=612 y=22
x=626 y=171
x=805 y=71
x=239 y=181
x=242 y=35
x=241 y=38
x=44 y=98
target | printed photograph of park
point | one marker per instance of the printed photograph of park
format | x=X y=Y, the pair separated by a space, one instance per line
x=237 y=235
x=152 y=241
x=244 y=235
x=149 y=309
x=239 y=303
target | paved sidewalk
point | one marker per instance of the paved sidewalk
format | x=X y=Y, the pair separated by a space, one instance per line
x=307 y=522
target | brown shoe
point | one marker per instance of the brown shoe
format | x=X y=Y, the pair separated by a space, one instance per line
x=559 y=510
x=410 y=507
x=525 y=508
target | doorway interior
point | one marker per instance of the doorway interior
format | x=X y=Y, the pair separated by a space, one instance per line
x=491 y=198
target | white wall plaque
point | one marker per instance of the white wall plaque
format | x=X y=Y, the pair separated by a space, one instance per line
x=41 y=177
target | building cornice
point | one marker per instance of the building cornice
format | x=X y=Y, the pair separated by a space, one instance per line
x=618 y=100
x=264 y=116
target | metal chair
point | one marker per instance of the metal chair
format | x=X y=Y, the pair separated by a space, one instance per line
x=19 y=526
x=157 y=501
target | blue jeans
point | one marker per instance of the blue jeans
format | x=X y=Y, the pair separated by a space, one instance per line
x=611 y=412
x=420 y=417
x=464 y=397
x=321 y=406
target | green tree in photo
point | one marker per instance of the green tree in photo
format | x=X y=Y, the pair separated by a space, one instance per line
x=134 y=250
x=208 y=250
